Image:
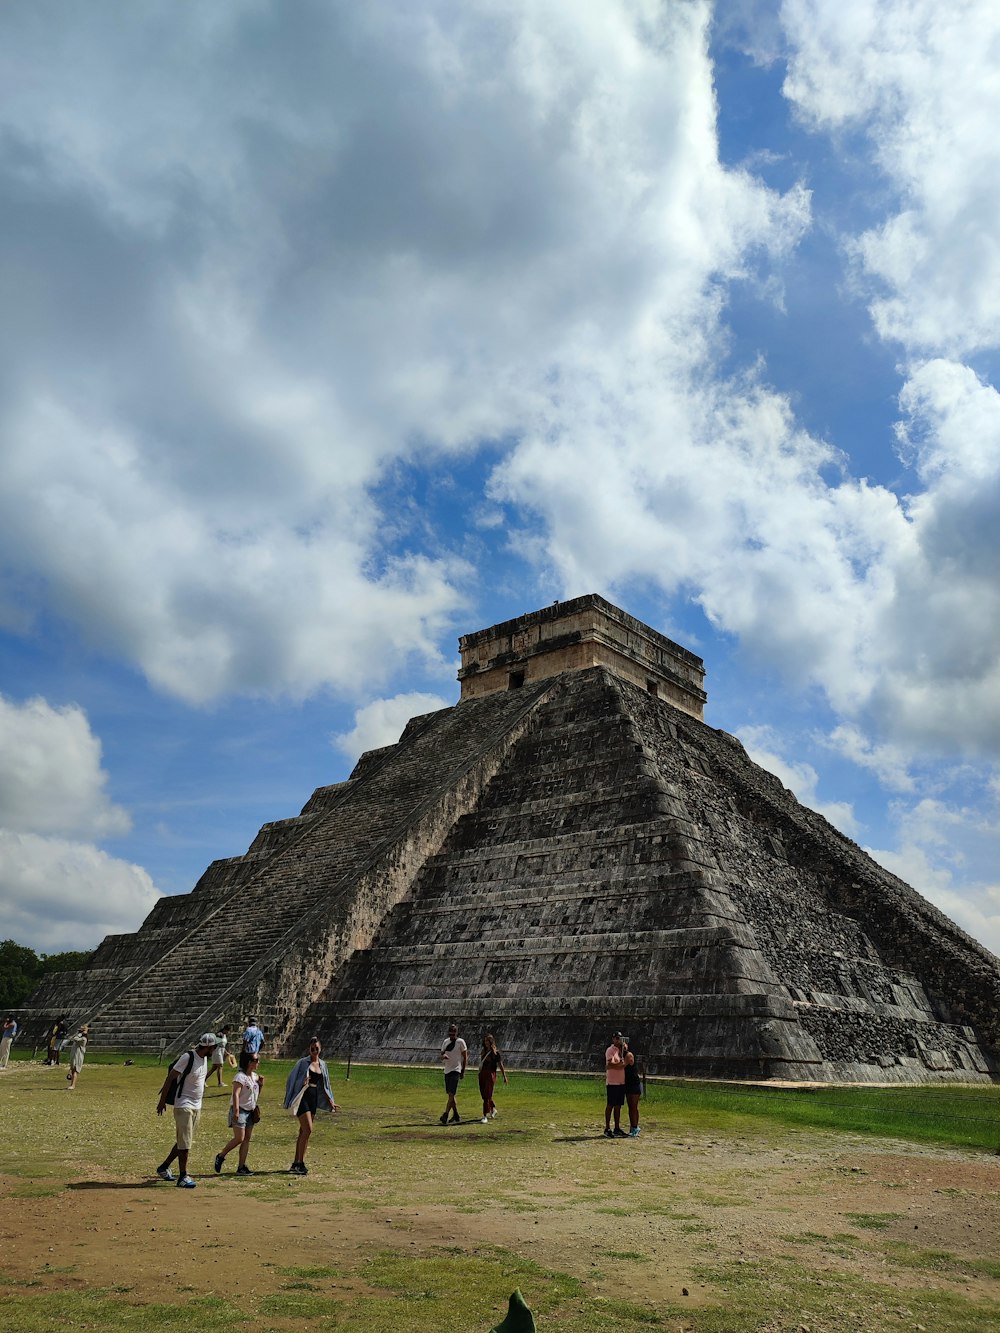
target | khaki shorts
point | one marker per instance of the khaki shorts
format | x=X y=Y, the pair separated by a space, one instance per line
x=186 y=1122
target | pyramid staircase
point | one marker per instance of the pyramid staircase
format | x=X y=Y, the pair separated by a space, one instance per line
x=567 y=851
x=608 y=878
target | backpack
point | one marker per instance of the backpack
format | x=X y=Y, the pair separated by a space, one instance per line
x=178 y=1083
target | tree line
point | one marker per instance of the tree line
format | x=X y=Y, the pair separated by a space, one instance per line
x=22 y=970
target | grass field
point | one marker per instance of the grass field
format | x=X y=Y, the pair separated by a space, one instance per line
x=737 y=1209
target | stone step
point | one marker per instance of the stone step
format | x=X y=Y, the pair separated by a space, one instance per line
x=645 y=941
x=641 y=1007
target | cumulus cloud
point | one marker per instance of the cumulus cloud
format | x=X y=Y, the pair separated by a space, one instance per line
x=278 y=283
x=381 y=722
x=801 y=779
x=58 y=894
x=58 y=890
x=918 y=79
x=889 y=763
x=51 y=779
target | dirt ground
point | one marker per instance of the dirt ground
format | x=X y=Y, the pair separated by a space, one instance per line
x=654 y=1212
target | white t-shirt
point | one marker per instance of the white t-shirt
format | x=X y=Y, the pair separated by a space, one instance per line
x=193 y=1089
x=249 y=1086
x=453 y=1058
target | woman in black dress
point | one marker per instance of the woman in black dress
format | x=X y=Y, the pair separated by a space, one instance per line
x=490 y=1064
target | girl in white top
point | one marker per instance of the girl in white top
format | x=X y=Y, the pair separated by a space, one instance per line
x=243 y=1114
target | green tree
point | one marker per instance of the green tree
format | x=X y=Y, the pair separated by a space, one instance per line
x=20 y=973
x=21 y=970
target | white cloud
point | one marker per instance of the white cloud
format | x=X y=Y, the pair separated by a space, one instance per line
x=381 y=722
x=919 y=79
x=975 y=907
x=431 y=235
x=58 y=894
x=801 y=779
x=51 y=779
x=58 y=890
x=888 y=762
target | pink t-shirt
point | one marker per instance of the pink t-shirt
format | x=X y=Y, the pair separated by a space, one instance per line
x=616 y=1072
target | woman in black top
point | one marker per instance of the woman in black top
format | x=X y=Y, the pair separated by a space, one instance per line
x=633 y=1088
x=307 y=1091
x=490 y=1064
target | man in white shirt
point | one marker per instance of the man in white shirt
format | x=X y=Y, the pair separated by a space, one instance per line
x=455 y=1055
x=183 y=1089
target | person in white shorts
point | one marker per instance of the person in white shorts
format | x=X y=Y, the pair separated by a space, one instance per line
x=219 y=1056
x=184 y=1088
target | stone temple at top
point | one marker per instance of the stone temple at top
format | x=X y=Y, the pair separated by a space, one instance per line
x=568 y=850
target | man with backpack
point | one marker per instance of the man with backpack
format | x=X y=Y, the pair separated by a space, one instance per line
x=183 y=1089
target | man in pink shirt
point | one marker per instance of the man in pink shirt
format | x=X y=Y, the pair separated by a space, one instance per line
x=614 y=1063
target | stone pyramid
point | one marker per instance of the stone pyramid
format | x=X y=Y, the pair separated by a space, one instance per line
x=568 y=850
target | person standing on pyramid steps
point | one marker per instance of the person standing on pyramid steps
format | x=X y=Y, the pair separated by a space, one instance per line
x=307 y=1091
x=455 y=1055
x=183 y=1090
x=490 y=1063
x=633 y=1087
x=614 y=1064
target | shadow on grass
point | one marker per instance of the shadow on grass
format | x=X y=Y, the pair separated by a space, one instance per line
x=115 y=1184
x=168 y=1184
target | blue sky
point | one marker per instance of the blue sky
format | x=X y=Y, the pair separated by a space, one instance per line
x=332 y=332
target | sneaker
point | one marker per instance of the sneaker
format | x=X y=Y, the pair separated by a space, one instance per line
x=608 y=1134
x=444 y=1119
x=243 y=1171
x=186 y=1183
x=634 y=1133
x=456 y=1119
x=485 y=1120
x=619 y=1134
x=493 y=1113
x=219 y=1159
x=298 y=1169
x=165 y=1173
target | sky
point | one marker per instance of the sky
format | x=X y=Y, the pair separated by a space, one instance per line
x=331 y=332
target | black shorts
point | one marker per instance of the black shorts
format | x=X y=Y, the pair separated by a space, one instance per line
x=309 y=1102
x=451 y=1082
x=616 y=1094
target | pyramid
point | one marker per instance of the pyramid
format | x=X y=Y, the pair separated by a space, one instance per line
x=568 y=850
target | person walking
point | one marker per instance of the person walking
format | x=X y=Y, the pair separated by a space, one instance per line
x=219 y=1056
x=307 y=1091
x=633 y=1087
x=57 y=1033
x=7 y=1035
x=455 y=1055
x=614 y=1064
x=490 y=1064
x=77 y=1050
x=243 y=1115
x=183 y=1089
x=251 y=1042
